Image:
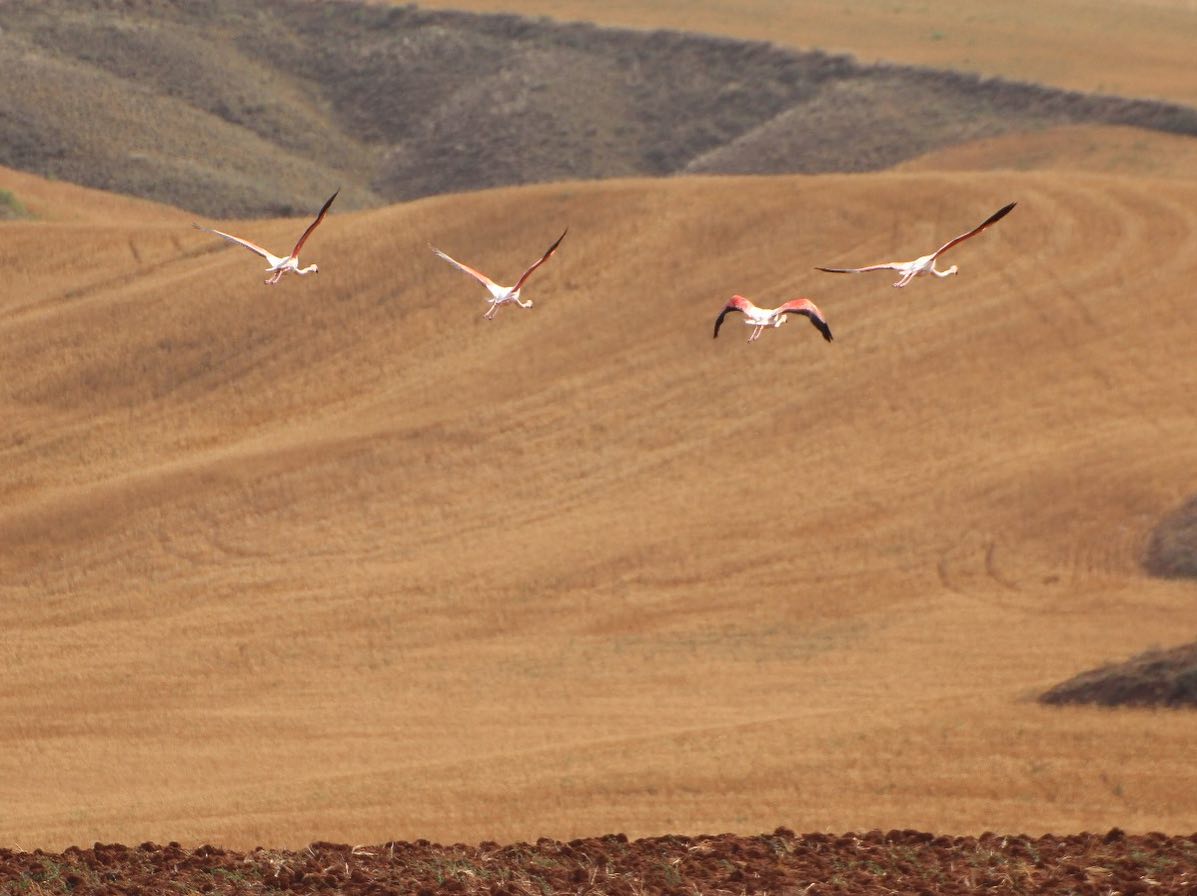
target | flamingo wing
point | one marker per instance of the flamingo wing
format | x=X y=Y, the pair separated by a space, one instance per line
x=490 y=284
x=735 y=303
x=808 y=309
x=992 y=219
x=888 y=266
x=252 y=247
x=320 y=217
x=528 y=273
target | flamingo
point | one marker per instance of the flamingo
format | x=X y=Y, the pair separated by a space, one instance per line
x=760 y=318
x=926 y=264
x=501 y=295
x=279 y=266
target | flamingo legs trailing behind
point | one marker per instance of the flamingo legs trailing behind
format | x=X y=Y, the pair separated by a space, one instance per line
x=760 y=318
x=924 y=265
x=501 y=295
x=279 y=265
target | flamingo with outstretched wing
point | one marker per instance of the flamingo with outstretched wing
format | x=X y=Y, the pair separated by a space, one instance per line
x=924 y=265
x=502 y=295
x=279 y=265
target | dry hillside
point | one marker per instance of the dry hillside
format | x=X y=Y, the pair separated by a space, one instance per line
x=340 y=559
x=190 y=103
x=1064 y=43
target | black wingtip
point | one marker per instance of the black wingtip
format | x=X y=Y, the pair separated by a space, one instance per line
x=328 y=202
x=718 y=324
x=1001 y=213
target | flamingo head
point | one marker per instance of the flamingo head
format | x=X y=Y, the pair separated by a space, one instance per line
x=952 y=270
x=311 y=269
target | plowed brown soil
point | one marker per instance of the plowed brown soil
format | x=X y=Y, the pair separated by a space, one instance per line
x=860 y=865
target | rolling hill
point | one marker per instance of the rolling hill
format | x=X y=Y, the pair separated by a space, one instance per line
x=340 y=559
x=1063 y=43
x=232 y=108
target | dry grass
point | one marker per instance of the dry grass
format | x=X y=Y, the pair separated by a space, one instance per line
x=1091 y=148
x=340 y=559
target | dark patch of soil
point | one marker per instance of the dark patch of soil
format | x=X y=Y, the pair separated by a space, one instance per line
x=240 y=107
x=1154 y=678
x=778 y=863
x=1172 y=548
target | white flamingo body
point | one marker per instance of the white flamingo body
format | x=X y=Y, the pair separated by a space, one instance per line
x=279 y=265
x=762 y=318
x=502 y=295
x=924 y=265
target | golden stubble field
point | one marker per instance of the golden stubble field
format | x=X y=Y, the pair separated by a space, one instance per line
x=342 y=560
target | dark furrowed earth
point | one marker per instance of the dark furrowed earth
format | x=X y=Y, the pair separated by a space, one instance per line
x=781 y=862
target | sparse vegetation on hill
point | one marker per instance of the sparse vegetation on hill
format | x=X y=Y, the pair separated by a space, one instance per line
x=1172 y=548
x=1153 y=678
x=263 y=112
x=11 y=207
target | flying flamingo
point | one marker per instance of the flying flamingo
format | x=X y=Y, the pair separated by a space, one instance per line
x=501 y=295
x=279 y=266
x=926 y=264
x=772 y=317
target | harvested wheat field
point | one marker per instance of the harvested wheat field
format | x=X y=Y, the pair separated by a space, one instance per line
x=341 y=560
